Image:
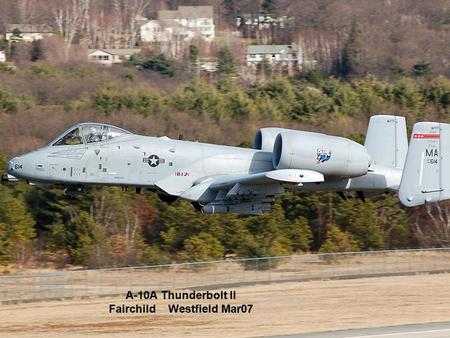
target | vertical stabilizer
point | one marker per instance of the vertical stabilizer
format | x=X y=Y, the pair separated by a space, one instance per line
x=386 y=140
x=426 y=176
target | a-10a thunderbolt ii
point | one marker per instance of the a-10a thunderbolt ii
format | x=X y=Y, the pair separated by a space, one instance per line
x=222 y=179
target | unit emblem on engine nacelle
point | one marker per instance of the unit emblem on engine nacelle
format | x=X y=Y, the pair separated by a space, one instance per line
x=323 y=155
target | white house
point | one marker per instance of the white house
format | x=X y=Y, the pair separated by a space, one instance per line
x=208 y=65
x=262 y=21
x=183 y=24
x=2 y=56
x=283 y=55
x=156 y=31
x=27 y=32
x=109 y=57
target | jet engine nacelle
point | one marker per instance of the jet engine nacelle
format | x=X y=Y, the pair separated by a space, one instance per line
x=265 y=138
x=328 y=155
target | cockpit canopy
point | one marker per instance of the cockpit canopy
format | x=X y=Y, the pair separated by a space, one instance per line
x=89 y=133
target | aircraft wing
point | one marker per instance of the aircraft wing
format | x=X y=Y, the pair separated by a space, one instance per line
x=254 y=187
x=282 y=176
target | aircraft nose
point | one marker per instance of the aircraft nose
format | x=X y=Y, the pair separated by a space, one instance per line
x=12 y=165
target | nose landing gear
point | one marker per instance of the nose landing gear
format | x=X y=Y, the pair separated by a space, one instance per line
x=73 y=191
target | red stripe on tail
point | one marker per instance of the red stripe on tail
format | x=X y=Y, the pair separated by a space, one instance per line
x=426 y=136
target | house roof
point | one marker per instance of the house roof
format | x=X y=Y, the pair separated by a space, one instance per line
x=269 y=49
x=29 y=28
x=187 y=12
x=120 y=51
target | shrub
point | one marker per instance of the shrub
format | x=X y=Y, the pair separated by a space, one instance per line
x=141 y=101
x=43 y=69
x=201 y=247
x=107 y=100
x=8 y=104
x=409 y=94
x=439 y=92
x=310 y=101
x=158 y=63
x=201 y=97
x=337 y=240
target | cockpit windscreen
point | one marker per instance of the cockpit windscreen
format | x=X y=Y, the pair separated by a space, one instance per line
x=99 y=133
x=73 y=137
x=92 y=133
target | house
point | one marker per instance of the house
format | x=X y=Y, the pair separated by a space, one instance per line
x=209 y=65
x=2 y=56
x=109 y=57
x=183 y=24
x=155 y=31
x=27 y=32
x=262 y=21
x=283 y=55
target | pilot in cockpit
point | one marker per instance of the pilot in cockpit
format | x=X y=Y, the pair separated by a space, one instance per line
x=92 y=133
x=72 y=138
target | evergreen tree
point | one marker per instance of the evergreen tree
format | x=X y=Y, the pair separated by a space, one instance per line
x=8 y=104
x=269 y=6
x=201 y=247
x=86 y=241
x=230 y=10
x=299 y=232
x=421 y=69
x=226 y=64
x=16 y=228
x=268 y=235
x=193 y=57
x=439 y=92
x=159 y=63
x=337 y=240
x=352 y=65
x=37 y=50
x=363 y=222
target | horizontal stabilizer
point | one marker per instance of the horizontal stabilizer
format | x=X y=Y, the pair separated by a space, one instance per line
x=426 y=176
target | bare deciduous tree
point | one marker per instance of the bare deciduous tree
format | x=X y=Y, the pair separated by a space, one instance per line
x=431 y=224
x=70 y=18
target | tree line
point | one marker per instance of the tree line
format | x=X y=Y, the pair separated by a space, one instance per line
x=301 y=98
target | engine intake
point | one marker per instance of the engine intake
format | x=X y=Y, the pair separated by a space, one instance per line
x=328 y=155
x=265 y=138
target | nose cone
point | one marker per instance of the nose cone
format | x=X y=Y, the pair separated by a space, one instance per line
x=30 y=166
x=11 y=165
x=21 y=167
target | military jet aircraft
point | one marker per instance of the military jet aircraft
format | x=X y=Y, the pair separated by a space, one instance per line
x=224 y=179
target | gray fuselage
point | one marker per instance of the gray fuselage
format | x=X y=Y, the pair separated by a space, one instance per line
x=133 y=160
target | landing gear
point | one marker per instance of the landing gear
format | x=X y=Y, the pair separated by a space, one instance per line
x=7 y=178
x=73 y=191
x=197 y=206
x=359 y=194
x=167 y=198
x=341 y=195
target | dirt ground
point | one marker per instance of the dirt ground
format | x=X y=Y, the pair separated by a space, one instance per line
x=282 y=308
x=55 y=284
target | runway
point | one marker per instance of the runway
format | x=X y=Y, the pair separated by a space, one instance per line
x=433 y=330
